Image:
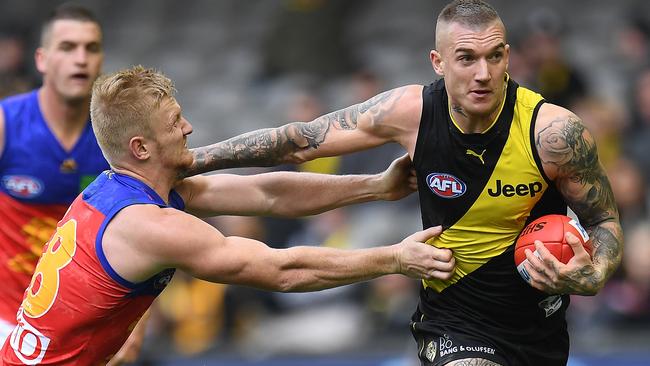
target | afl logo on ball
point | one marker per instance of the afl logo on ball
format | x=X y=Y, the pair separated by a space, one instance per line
x=446 y=185
x=22 y=186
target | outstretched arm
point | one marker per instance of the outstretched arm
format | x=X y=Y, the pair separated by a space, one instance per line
x=390 y=116
x=569 y=156
x=144 y=239
x=291 y=194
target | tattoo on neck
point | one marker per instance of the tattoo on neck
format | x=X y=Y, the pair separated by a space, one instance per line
x=458 y=109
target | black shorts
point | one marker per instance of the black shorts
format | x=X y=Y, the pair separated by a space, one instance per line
x=438 y=346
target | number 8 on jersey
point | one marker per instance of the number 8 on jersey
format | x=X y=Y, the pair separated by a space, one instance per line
x=57 y=254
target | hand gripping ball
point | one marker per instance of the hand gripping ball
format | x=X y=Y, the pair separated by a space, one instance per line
x=549 y=230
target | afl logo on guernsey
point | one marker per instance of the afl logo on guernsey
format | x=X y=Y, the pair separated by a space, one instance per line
x=22 y=186
x=446 y=185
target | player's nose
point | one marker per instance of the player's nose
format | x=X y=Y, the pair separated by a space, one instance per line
x=187 y=127
x=482 y=71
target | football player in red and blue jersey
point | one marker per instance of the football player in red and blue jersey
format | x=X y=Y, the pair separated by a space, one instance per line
x=48 y=152
x=124 y=236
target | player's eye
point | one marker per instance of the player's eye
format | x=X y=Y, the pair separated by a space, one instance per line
x=496 y=56
x=66 y=46
x=94 y=47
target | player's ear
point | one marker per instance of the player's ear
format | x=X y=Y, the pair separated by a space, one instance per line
x=437 y=62
x=139 y=148
x=39 y=59
x=507 y=55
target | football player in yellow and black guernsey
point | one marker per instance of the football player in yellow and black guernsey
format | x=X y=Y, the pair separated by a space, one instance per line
x=490 y=156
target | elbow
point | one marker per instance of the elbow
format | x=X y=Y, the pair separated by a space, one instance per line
x=286 y=283
x=593 y=291
x=297 y=157
x=295 y=280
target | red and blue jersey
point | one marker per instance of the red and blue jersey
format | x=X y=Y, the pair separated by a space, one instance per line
x=38 y=180
x=77 y=309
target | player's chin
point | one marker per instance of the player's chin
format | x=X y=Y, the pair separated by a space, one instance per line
x=77 y=96
x=482 y=108
x=187 y=161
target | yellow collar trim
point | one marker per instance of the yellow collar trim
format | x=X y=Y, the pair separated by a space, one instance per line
x=503 y=102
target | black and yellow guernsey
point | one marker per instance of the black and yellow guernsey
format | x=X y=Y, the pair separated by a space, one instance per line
x=483 y=188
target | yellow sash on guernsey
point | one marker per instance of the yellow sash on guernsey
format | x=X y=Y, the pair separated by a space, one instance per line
x=493 y=221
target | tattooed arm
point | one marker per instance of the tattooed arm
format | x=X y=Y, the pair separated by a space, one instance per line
x=390 y=116
x=569 y=157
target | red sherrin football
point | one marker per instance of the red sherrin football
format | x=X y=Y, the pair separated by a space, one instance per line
x=549 y=230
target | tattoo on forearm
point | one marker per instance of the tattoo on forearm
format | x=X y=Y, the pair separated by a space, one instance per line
x=587 y=191
x=269 y=147
x=603 y=242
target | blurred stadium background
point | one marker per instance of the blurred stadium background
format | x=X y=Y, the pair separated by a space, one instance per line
x=242 y=65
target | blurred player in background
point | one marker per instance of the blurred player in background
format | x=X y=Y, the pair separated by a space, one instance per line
x=120 y=242
x=490 y=156
x=48 y=152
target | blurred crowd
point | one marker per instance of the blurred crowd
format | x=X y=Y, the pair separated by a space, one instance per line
x=195 y=317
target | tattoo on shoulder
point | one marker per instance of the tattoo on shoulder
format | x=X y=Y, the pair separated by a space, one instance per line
x=562 y=143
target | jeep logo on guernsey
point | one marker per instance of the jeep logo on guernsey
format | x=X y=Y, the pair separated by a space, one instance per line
x=508 y=190
x=22 y=186
x=446 y=185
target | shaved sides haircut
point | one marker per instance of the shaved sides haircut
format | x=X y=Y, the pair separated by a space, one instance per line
x=66 y=11
x=476 y=14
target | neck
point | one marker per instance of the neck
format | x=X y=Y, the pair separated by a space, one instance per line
x=65 y=118
x=469 y=123
x=472 y=124
x=160 y=180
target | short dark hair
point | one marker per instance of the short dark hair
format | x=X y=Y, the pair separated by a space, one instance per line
x=472 y=13
x=69 y=11
x=469 y=12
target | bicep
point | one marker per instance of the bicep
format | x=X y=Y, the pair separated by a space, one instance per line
x=569 y=155
x=386 y=117
x=585 y=187
x=223 y=194
x=202 y=251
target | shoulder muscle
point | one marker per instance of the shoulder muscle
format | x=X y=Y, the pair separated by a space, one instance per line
x=565 y=146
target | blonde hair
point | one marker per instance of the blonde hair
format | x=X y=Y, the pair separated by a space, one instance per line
x=121 y=106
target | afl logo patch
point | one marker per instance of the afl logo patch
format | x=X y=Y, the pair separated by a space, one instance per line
x=22 y=186
x=446 y=185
